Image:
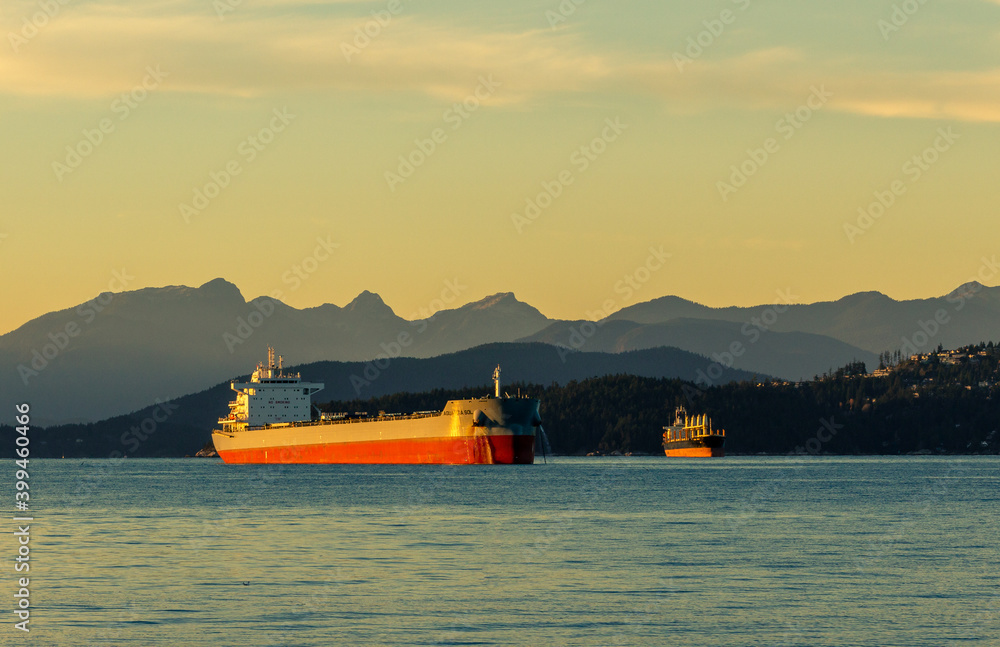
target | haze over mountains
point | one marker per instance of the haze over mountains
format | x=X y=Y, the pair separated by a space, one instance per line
x=790 y=355
x=120 y=352
x=869 y=320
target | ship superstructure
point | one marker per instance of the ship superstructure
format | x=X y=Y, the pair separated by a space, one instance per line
x=270 y=396
x=270 y=422
x=692 y=436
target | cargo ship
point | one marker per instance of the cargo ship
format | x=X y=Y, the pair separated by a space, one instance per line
x=693 y=436
x=271 y=421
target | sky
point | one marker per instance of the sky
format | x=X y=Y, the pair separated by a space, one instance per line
x=582 y=154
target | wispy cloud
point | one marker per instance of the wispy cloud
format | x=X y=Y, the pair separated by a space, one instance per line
x=780 y=79
x=99 y=49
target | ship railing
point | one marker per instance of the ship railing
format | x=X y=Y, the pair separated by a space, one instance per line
x=686 y=435
x=347 y=421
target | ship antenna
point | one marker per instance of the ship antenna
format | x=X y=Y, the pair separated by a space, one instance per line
x=496 y=380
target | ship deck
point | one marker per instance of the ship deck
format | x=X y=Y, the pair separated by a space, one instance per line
x=337 y=421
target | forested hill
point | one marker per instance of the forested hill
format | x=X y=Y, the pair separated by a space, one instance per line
x=935 y=404
x=943 y=402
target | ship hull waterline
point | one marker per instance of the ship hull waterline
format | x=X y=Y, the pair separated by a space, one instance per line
x=696 y=452
x=704 y=447
x=483 y=449
x=466 y=432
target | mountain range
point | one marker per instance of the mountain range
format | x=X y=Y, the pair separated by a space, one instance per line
x=122 y=351
x=868 y=320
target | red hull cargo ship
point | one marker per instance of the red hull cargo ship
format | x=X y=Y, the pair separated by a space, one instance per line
x=270 y=421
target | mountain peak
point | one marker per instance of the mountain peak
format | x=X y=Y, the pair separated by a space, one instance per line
x=673 y=299
x=864 y=297
x=661 y=309
x=220 y=289
x=966 y=290
x=500 y=298
x=502 y=307
x=368 y=303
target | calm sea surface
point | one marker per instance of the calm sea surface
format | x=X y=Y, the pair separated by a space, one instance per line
x=581 y=551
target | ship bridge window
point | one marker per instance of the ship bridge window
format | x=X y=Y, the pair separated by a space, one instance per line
x=305 y=391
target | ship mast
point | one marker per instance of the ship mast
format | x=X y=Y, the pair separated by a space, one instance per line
x=496 y=380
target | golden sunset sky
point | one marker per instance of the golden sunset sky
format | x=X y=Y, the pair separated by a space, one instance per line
x=415 y=150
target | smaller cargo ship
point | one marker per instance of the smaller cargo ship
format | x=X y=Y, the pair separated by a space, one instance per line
x=693 y=436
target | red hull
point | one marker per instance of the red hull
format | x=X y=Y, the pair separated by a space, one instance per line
x=504 y=449
x=696 y=452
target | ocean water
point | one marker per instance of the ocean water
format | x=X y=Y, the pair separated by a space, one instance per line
x=579 y=551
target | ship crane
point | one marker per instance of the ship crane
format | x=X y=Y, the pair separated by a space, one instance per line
x=496 y=380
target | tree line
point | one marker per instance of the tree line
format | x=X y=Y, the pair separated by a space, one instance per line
x=921 y=406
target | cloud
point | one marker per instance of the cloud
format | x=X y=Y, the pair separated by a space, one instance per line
x=781 y=79
x=102 y=49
